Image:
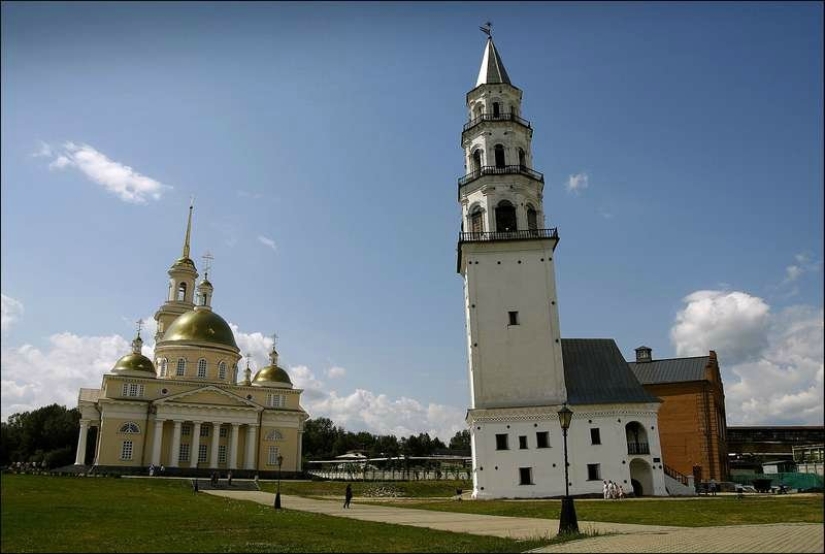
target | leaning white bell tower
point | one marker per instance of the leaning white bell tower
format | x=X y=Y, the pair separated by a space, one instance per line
x=505 y=255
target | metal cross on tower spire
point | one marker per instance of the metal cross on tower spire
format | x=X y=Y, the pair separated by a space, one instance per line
x=487 y=29
x=207 y=263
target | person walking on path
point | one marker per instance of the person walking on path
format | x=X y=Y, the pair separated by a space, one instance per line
x=229 y=478
x=348 y=496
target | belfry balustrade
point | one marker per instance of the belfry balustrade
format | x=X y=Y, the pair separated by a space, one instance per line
x=500 y=170
x=495 y=117
x=522 y=234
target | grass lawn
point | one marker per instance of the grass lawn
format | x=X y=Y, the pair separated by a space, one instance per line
x=689 y=512
x=76 y=514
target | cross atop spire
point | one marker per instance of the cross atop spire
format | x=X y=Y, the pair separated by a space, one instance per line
x=273 y=356
x=207 y=263
x=139 y=326
x=487 y=29
x=188 y=228
x=137 y=343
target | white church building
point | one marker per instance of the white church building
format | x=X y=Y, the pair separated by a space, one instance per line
x=521 y=371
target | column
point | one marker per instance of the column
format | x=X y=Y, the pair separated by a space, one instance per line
x=80 y=459
x=233 y=446
x=251 y=442
x=196 y=444
x=175 y=444
x=216 y=438
x=300 y=451
x=158 y=441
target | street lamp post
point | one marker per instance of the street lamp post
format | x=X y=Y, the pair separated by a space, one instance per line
x=278 y=492
x=567 y=522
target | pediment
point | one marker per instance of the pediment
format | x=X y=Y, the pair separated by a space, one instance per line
x=208 y=396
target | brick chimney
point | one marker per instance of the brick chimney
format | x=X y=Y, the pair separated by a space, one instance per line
x=644 y=354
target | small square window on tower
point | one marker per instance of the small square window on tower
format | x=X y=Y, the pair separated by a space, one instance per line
x=501 y=442
x=595 y=436
x=522 y=442
x=513 y=318
x=525 y=475
x=594 y=472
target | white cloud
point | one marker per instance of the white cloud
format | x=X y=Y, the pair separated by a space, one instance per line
x=772 y=364
x=335 y=372
x=11 y=311
x=730 y=322
x=115 y=177
x=267 y=242
x=45 y=151
x=32 y=378
x=803 y=265
x=577 y=183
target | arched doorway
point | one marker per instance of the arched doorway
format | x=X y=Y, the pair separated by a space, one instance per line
x=641 y=477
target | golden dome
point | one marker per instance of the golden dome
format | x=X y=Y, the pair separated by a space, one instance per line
x=134 y=362
x=272 y=376
x=184 y=261
x=200 y=326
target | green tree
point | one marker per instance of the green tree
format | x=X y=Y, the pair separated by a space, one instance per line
x=461 y=441
x=34 y=436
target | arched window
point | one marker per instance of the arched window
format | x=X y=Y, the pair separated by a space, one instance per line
x=496 y=109
x=182 y=292
x=274 y=435
x=477 y=160
x=201 y=368
x=163 y=367
x=477 y=221
x=129 y=427
x=181 y=367
x=522 y=157
x=505 y=217
x=499 y=155
x=532 y=218
x=222 y=370
x=478 y=109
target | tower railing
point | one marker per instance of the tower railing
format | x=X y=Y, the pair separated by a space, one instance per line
x=509 y=235
x=493 y=117
x=500 y=170
x=681 y=477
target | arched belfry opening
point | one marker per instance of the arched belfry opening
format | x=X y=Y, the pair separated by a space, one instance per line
x=477 y=220
x=505 y=217
x=181 y=296
x=522 y=157
x=499 y=151
x=532 y=218
x=496 y=110
x=636 y=438
x=477 y=160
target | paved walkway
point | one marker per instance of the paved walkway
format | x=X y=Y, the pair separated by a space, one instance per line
x=624 y=537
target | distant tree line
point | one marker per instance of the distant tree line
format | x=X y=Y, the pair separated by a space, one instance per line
x=50 y=435
x=47 y=436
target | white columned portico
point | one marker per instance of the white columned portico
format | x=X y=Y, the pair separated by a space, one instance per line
x=80 y=459
x=216 y=438
x=175 y=443
x=233 y=446
x=196 y=444
x=251 y=441
x=158 y=441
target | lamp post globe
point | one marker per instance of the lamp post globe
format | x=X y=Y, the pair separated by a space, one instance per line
x=568 y=522
x=278 y=491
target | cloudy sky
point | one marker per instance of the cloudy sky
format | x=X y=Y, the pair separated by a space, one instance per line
x=681 y=146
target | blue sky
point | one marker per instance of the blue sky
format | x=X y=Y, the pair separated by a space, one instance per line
x=681 y=145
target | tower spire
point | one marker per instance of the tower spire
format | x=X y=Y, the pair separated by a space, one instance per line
x=188 y=228
x=492 y=68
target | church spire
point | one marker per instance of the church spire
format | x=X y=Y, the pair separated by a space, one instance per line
x=492 y=68
x=188 y=229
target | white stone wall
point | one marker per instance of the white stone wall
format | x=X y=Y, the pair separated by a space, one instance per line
x=512 y=365
x=496 y=472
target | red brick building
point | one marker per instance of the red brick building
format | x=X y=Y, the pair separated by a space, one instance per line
x=692 y=424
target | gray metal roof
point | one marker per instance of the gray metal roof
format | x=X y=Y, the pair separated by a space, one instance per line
x=595 y=372
x=492 y=69
x=673 y=370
